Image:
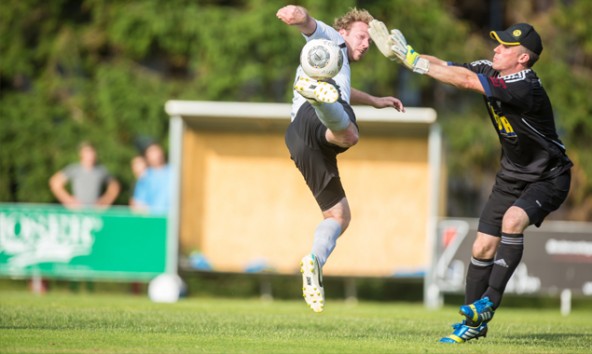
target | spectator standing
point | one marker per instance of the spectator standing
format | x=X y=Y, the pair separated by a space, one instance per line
x=92 y=186
x=152 y=192
x=91 y=182
x=138 y=166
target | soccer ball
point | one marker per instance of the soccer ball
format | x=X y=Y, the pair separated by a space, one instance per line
x=321 y=59
x=166 y=288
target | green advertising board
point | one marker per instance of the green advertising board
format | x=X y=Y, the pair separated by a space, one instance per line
x=88 y=244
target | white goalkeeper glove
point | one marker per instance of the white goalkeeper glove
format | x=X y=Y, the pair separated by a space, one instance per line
x=380 y=36
x=406 y=55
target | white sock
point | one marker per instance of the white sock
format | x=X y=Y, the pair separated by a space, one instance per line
x=332 y=115
x=325 y=238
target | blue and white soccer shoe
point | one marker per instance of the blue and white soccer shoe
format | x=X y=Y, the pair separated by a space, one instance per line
x=479 y=311
x=462 y=333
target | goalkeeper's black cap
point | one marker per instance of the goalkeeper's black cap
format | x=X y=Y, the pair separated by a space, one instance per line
x=520 y=34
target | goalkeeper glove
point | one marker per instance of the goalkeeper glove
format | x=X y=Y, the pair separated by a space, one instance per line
x=380 y=36
x=406 y=55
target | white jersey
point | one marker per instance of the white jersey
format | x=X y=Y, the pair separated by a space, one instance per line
x=342 y=79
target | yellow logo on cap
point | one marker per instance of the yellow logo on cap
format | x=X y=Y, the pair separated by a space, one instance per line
x=516 y=33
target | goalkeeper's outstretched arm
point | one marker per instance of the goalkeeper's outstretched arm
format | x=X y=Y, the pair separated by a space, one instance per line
x=457 y=76
x=395 y=46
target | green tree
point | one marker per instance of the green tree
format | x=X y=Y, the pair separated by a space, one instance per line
x=102 y=70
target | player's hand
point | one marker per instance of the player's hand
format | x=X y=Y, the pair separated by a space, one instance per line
x=292 y=15
x=406 y=55
x=380 y=36
x=386 y=102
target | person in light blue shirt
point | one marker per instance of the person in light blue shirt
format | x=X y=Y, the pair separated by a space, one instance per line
x=153 y=190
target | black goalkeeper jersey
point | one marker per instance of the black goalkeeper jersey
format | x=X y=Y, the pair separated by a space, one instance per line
x=521 y=113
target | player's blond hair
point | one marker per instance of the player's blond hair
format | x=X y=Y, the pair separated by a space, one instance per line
x=353 y=15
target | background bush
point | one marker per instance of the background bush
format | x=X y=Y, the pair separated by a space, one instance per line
x=102 y=70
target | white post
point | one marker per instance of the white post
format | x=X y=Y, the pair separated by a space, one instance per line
x=351 y=291
x=175 y=158
x=565 y=302
x=432 y=297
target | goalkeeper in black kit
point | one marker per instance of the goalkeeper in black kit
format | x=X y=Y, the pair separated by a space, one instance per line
x=534 y=177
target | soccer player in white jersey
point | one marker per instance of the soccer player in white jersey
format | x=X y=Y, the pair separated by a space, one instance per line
x=322 y=127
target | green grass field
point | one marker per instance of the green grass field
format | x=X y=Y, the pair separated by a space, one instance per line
x=96 y=323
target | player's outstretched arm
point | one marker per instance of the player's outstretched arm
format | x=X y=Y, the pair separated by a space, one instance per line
x=361 y=97
x=297 y=16
x=434 y=67
x=457 y=76
x=434 y=60
x=407 y=55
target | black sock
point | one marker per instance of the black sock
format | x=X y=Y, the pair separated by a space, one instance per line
x=477 y=279
x=507 y=258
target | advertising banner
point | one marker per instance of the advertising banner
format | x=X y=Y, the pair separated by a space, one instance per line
x=557 y=256
x=87 y=244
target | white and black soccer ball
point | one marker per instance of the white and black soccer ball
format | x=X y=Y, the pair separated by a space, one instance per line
x=321 y=59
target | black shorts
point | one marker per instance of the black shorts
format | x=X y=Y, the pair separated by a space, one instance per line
x=537 y=199
x=315 y=157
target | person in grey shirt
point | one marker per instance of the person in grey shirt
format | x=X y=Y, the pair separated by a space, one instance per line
x=91 y=183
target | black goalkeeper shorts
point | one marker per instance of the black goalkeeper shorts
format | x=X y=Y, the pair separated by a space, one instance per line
x=537 y=199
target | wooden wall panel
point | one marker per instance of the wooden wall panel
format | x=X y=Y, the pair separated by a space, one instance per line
x=243 y=201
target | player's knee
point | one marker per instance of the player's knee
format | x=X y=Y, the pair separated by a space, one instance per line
x=341 y=213
x=344 y=222
x=515 y=221
x=344 y=138
x=350 y=141
x=354 y=139
x=483 y=250
x=350 y=138
x=343 y=217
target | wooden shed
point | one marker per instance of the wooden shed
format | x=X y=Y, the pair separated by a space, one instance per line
x=241 y=202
